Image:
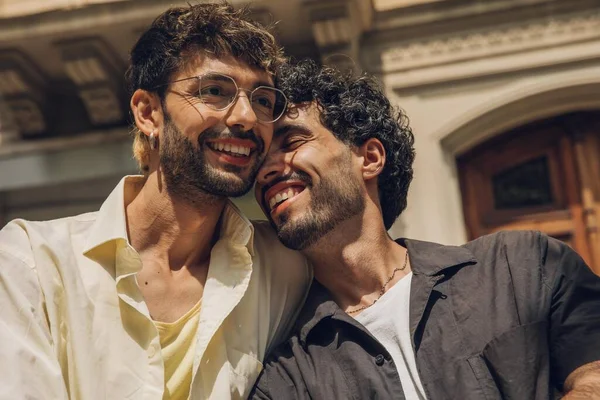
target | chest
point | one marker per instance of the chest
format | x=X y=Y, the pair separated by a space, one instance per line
x=108 y=348
x=479 y=324
x=388 y=319
x=170 y=294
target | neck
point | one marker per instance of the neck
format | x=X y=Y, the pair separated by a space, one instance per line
x=356 y=259
x=172 y=228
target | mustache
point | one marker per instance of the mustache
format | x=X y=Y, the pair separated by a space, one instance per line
x=292 y=176
x=227 y=133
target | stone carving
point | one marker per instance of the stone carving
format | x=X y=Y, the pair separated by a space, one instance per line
x=465 y=46
x=332 y=32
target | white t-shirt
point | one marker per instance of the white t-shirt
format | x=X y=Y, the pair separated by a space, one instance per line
x=388 y=321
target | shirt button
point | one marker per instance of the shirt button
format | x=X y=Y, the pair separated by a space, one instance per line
x=379 y=360
x=152 y=351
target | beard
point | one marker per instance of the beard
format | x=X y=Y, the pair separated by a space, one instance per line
x=337 y=198
x=189 y=176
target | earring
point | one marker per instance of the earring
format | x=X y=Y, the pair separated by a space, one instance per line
x=153 y=140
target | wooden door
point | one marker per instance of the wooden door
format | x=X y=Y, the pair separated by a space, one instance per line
x=544 y=176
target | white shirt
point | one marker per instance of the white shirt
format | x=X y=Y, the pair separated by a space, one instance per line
x=73 y=322
x=388 y=321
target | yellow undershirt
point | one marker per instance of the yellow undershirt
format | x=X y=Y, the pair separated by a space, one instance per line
x=177 y=341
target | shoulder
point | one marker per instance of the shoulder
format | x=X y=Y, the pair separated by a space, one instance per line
x=282 y=277
x=513 y=240
x=277 y=264
x=15 y=242
x=20 y=238
x=529 y=252
x=514 y=247
x=522 y=244
x=265 y=235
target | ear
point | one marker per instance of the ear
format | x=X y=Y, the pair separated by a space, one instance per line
x=373 y=156
x=147 y=111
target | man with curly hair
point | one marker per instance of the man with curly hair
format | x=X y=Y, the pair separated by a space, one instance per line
x=167 y=292
x=514 y=315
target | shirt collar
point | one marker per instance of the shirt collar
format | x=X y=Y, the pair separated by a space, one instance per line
x=430 y=259
x=425 y=259
x=235 y=227
x=111 y=224
x=318 y=306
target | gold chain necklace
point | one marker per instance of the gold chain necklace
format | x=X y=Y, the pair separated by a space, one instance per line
x=382 y=291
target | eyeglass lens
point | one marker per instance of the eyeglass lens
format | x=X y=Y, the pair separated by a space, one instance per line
x=220 y=91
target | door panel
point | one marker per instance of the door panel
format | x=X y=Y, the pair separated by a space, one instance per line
x=543 y=176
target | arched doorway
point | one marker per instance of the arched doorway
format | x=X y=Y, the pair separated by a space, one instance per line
x=544 y=176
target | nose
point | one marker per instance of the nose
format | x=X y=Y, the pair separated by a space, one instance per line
x=273 y=166
x=241 y=114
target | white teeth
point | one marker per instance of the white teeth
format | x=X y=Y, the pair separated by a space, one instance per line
x=242 y=150
x=283 y=195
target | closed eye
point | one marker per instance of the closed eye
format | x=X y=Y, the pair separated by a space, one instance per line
x=292 y=144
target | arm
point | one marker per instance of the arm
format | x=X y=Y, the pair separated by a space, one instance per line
x=574 y=335
x=29 y=368
x=281 y=378
x=274 y=382
x=258 y=393
x=583 y=383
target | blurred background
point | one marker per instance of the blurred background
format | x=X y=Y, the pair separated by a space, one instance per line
x=503 y=97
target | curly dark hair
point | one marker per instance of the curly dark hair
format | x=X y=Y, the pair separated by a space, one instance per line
x=217 y=29
x=177 y=34
x=356 y=109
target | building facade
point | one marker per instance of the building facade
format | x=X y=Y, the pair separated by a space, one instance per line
x=503 y=97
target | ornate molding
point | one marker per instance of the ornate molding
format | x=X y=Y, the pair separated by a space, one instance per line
x=22 y=89
x=337 y=26
x=488 y=43
x=95 y=69
x=331 y=32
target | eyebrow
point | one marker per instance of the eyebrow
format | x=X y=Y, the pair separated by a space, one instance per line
x=263 y=83
x=215 y=76
x=218 y=76
x=284 y=130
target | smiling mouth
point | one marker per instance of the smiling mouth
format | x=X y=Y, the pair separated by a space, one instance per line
x=276 y=198
x=230 y=149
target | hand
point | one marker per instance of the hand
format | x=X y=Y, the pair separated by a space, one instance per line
x=583 y=383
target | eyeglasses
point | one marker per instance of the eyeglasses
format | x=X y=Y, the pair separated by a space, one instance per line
x=219 y=92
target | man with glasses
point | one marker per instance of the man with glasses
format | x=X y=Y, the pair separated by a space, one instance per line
x=168 y=291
